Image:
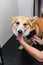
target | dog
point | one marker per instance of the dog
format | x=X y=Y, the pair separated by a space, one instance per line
x=22 y=26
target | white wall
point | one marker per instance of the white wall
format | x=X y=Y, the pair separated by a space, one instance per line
x=8 y=8
x=26 y=7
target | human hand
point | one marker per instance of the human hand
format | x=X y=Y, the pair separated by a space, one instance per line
x=37 y=39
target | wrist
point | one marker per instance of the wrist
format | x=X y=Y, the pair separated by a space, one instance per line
x=21 y=41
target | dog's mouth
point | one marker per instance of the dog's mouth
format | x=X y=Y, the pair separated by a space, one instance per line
x=20 y=35
x=23 y=33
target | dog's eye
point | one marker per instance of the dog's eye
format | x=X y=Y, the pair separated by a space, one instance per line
x=24 y=24
x=17 y=23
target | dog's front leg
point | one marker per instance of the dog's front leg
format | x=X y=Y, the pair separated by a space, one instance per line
x=20 y=47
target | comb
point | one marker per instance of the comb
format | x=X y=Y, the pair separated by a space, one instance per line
x=32 y=33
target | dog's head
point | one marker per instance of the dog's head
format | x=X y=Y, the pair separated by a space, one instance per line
x=21 y=25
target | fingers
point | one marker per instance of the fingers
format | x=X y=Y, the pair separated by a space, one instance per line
x=36 y=37
x=36 y=40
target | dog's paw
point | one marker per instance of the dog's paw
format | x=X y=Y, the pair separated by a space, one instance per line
x=20 y=47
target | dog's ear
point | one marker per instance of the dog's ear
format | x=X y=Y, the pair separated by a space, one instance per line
x=33 y=20
x=13 y=21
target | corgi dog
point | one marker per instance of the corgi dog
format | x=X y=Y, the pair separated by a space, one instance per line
x=22 y=25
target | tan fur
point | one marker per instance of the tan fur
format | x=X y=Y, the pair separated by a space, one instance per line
x=20 y=17
x=38 y=25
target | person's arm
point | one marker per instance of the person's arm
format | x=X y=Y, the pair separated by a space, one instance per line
x=32 y=51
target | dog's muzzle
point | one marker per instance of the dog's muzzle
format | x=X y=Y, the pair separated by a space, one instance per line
x=20 y=32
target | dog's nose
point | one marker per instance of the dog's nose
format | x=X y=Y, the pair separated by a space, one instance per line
x=20 y=31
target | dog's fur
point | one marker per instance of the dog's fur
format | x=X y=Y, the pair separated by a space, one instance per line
x=26 y=24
